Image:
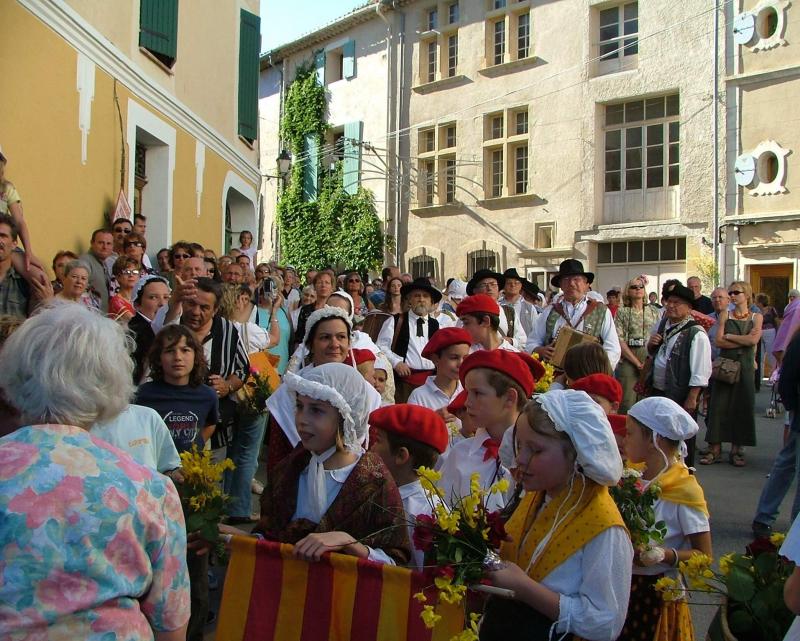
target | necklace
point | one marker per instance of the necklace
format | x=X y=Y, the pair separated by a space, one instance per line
x=740 y=316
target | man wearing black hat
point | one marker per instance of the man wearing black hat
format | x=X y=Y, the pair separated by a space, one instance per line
x=403 y=337
x=485 y=281
x=575 y=310
x=681 y=354
x=513 y=296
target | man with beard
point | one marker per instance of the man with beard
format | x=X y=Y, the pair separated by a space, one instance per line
x=577 y=311
x=403 y=337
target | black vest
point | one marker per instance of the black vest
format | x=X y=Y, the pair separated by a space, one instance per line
x=400 y=346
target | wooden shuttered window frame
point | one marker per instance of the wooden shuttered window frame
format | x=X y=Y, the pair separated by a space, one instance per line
x=349 y=59
x=310 y=168
x=158 y=29
x=351 y=169
x=249 y=48
x=319 y=65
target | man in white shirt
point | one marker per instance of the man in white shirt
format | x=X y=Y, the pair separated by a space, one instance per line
x=485 y=281
x=524 y=311
x=403 y=337
x=575 y=310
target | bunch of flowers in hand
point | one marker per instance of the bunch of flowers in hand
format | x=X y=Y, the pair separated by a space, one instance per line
x=201 y=497
x=253 y=395
x=543 y=384
x=752 y=584
x=458 y=541
x=635 y=500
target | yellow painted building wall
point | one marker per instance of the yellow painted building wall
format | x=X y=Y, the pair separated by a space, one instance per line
x=63 y=199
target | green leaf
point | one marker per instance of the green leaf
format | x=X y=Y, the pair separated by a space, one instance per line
x=740 y=585
x=194 y=522
x=209 y=531
x=765 y=564
x=740 y=622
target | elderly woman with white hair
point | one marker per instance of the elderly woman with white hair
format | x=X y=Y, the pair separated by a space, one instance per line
x=568 y=557
x=94 y=544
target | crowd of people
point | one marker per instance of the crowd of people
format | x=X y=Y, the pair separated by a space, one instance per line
x=372 y=379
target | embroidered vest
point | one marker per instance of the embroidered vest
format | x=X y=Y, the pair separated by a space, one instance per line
x=678 y=368
x=402 y=335
x=593 y=319
x=511 y=319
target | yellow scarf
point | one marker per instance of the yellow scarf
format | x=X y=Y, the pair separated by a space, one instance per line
x=587 y=517
x=678 y=486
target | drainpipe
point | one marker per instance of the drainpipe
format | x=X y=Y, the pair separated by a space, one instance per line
x=380 y=7
x=399 y=122
x=718 y=258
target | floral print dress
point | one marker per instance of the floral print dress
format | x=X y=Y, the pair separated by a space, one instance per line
x=92 y=544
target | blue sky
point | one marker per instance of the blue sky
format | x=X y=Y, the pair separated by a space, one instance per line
x=284 y=20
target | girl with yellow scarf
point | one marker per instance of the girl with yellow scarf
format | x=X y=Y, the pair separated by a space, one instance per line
x=568 y=558
x=656 y=430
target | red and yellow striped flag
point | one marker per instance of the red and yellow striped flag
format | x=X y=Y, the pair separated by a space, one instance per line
x=270 y=595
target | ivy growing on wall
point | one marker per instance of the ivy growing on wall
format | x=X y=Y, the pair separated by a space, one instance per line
x=337 y=229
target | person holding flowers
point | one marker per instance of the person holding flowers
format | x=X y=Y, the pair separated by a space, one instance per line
x=328 y=494
x=498 y=383
x=567 y=557
x=657 y=428
x=408 y=438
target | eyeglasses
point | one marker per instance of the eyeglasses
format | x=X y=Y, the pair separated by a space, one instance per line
x=181 y=255
x=134 y=243
x=636 y=287
x=735 y=292
x=122 y=230
x=130 y=272
x=353 y=280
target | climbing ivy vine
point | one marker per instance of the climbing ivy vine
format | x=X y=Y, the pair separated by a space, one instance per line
x=337 y=229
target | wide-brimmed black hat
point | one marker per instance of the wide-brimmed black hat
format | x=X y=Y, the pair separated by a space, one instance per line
x=571 y=267
x=425 y=285
x=531 y=288
x=681 y=291
x=479 y=275
x=512 y=273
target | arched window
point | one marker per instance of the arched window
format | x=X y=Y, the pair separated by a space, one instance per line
x=482 y=259
x=422 y=266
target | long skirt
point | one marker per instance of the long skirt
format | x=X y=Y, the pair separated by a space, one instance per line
x=650 y=617
x=512 y=620
x=628 y=376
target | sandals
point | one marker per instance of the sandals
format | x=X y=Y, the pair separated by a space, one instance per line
x=710 y=458
x=736 y=459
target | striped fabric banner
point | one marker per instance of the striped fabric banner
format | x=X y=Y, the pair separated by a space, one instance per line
x=269 y=595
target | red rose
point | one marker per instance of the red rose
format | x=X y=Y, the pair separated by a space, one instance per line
x=760 y=546
x=447 y=571
x=424 y=532
x=497 y=528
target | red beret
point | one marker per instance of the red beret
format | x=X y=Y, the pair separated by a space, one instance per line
x=523 y=369
x=480 y=303
x=601 y=384
x=618 y=424
x=444 y=338
x=458 y=403
x=363 y=356
x=412 y=421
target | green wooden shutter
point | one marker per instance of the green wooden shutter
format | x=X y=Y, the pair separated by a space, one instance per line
x=349 y=59
x=249 y=45
x=319 y=64
x=158 y=27
x=351 y=175
x=310 y=167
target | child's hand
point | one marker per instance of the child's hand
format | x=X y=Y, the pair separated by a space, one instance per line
x=312 y=547
x=509 y=577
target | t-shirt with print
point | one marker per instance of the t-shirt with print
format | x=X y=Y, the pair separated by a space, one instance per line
x=185 y=409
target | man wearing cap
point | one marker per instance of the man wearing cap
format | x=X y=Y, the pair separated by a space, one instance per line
x=485 y=281
x=480 y=316
x=681 y=355
x=403 y=337
x=513 y=294
x=577 y=311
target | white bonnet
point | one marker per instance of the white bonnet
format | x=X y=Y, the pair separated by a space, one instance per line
x=343 y=294
x=665 y=417
x=457 y=289
x=343 y=387
x=324 y=313
x=576 y=414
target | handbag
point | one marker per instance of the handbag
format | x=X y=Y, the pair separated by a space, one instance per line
x=726 y=370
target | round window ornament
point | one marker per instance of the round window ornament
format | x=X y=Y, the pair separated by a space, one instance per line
x=770 y=169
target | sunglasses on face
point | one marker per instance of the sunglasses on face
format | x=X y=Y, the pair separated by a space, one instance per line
x=122 y=230
x=134 y=244
x=735 y=292
x=182 y=256
x=353 y=280
x=636 y=287
x=130 y=272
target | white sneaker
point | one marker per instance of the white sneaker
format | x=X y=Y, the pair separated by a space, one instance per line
x=256 y=487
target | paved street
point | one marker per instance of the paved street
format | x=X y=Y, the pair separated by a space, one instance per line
x=732 y=494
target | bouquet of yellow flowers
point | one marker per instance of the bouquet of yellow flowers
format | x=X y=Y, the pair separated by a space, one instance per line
x=752 y=584
x=201 y=497
x=635 y=502
x=253 y=395
x=458 y=541
x=543 y=384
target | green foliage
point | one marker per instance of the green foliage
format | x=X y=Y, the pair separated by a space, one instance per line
x=338 y=229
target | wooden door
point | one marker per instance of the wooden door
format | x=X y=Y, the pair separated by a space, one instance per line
x=774 y=281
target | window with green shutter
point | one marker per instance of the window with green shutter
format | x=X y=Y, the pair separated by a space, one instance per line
x=249 y=47
x=310 y=167
x=158 y=29
x=351 y=174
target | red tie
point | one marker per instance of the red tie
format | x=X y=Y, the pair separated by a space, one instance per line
x=492 y=449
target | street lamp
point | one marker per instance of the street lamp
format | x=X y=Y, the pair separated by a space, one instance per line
x=284 y=165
